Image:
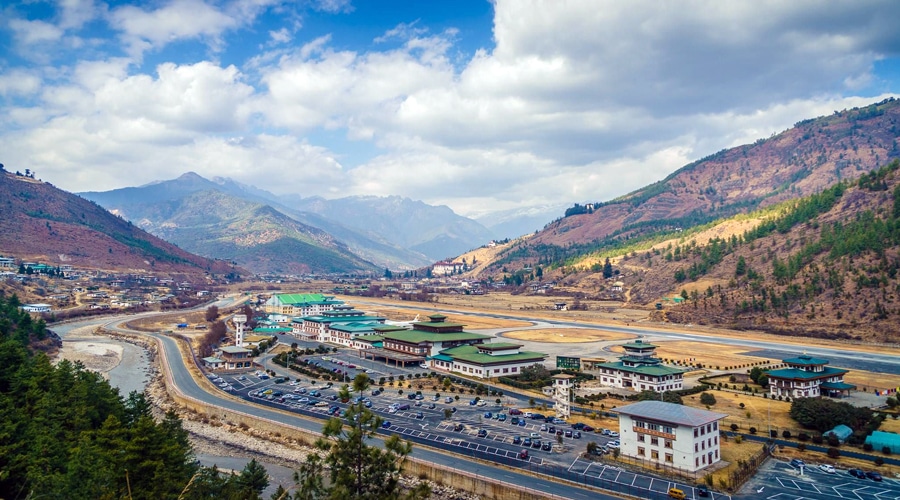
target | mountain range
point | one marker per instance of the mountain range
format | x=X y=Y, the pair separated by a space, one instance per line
x=268 y=234
x=44 y=224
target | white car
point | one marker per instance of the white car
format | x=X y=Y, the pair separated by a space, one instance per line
x=828 y=469
x=613 y=444
x=613 y=434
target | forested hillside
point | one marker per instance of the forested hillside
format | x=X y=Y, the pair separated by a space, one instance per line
x=66 y=433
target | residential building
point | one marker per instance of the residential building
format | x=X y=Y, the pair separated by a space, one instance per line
x=236 y=358
x=640 y=370
x=8 y=263
x=36 y=308
x=670 y=435
x=446 y=268
x=807 y=377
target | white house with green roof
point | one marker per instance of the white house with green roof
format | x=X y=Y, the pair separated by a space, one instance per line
x=428 y=338
x=487 y=360
x=807 y=377
x=640 y=370
x=300 y=304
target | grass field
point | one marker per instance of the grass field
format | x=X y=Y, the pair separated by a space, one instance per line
x=566 y=335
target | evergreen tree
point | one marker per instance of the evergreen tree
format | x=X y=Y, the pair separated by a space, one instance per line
x=607 y=269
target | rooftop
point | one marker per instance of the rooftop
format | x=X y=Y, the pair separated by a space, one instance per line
x=417 y=336
x=654 y=370
x=470 y=354
x=805 y=360
x=796 y=373
x=671 y=413
x=639 y=344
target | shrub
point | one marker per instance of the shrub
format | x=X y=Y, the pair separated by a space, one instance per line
x=753 y=430
x=803 y=436
x=868 y=447
x=734 y=427
x=886 y=450
x=833 y=440
x=879 y=461
x=801 y=447
x=786 y=434
x=707 y=399
x=738 y=439
x=833 y=452
x=817 y=439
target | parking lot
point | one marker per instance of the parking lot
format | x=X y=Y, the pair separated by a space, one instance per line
x=779 y=480
x=637 y=481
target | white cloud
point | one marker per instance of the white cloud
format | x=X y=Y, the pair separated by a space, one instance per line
x=578 y=101
x=75 y=13
x=333 y=6
x=28 y=33
x=177 y=20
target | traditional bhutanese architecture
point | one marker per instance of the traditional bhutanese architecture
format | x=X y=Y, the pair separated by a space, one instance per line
x=444 y=346
x=670 y=435
x=446 y=268
x=486 y=360
x=300 y=304
x=338 y=326
x=640 y=370
x=806 y=377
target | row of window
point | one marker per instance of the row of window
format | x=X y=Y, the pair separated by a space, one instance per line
x=656 y=427
x=711 y=460
x=667 y=443
x=654 y=455
x=708 y=442
x=704 y=429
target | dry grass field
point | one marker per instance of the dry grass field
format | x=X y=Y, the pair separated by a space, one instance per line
x=566 y=335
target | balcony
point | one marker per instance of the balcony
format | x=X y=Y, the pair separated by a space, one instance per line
x=661 y=434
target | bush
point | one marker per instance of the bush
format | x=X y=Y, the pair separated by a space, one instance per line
x=734 y=427
x=753 y=430
x=833 y=452
x=803 y=436
x=773 y=433
x=868 y=447
x=801 y=447
x=707 y=399
x=833 y=440
x=886 y=450
x=817 y=439
x=879 y=461
x=786 y=434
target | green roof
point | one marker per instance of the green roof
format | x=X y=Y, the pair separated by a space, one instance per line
x=305 y=298
x=498 y=346
x=345 y=319
x=470 y=354
x=272 y=329
x=438 y=324
x=653 y=370
x=370 y=338
x=639 y=344
x=390 y=328
x=417 y=336
x=795 y=373
x=805 y=360
x=837 y=386
x=361 y=326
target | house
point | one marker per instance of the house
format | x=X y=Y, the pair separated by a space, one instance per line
x=338 y=326
x=639 y=369
x=236 y=358
x=7 y=263
x=807 y=377
x=670 y=435
x=35 y=308
x=213 y=363
x=447 y=268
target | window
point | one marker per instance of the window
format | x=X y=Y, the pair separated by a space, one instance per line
x=668 y=443
x=696 y=447
x=696 y=462
x=654 y=441
x=654 y=454
x=640 y=438
x=696 y=432
x=716 y=440
x=668 y=430
x=717 y=454
x=668 y=458
x=702 y=431
x=715 y=426
x=640 y=451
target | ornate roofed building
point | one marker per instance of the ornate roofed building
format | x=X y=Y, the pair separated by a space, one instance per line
x=807 y=377
x=444 y=346
x=639 y=369
x=338 y=326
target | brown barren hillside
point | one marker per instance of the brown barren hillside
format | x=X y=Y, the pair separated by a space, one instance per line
x=44 y=224
x=803 y=160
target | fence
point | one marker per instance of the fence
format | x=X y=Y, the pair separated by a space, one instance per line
x=747 y=469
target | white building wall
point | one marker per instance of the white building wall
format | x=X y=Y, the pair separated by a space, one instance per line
x=687 y=452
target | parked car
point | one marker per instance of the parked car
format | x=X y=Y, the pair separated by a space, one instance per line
x=857 y=473
x=613 y=434
x=410 y=396
x=517 y=439
x=526 y=442
x=431 y=406
x=568 y=433
x=546 y=446
x=502 y=417
x=587 y=428
x=874 y=476
x=488 y=414
x=676 y=494
x=796 y=462
x=544 y=427
x=458 y=427
x=578 y=426
x=604 y=432
x=576 y=434
x=536 y=443
x=702 y=490
x=448 y=400
x=386 y=424
x=403 y=407
x=613 y=444
x=521 y=422
x=473 y=402
x=514 y=420
x=515 y=411
x=420 y=415
x=828 y=469
x=482 y=433
x=523 y=455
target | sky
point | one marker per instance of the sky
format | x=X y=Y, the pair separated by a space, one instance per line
x=479 y=105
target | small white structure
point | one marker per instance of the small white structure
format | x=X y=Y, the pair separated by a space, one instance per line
x=36 y=308
x=562 y=395
x=670 y=434
x=239 y=321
